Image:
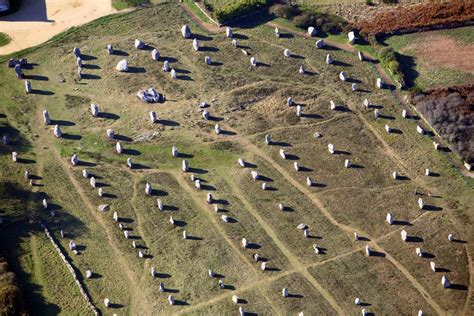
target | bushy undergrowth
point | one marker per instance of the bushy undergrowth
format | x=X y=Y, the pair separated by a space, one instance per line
x=389 y=58
x=304 y=18
x=451 y=112
x=123 y=4
x=11 y=302
x=237 y=8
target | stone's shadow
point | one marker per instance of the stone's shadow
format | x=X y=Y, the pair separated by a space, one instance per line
x=41 y=92
x=109 y=116
x=62 y=123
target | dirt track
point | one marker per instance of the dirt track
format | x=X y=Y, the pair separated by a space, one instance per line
x=39 y=20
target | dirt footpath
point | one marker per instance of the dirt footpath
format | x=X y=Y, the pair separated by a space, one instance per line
x=39 y=20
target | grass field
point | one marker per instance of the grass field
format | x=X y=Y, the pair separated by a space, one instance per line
x=247 y=102
x=437 y=58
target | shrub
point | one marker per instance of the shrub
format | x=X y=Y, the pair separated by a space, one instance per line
x=304 y=20
x=369 y=2
x=285 y=11
x=236 y=8
x=390 y=1
x=208 y=6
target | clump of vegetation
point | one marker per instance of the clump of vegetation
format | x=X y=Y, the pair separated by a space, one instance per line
x=11 y=301
x=237 y=8
x=369 y=2
x=450 y=112
x=72 y=101
x=4 y=39
x=304 y=18
x=285 y=11
x=124 y=4
x=389 y=58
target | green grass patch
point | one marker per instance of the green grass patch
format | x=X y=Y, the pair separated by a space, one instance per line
x=193 y=7
x=4 y=39
x=124 y=4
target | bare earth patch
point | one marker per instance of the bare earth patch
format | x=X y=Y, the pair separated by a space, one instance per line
x=38 y=21
x=446 y=52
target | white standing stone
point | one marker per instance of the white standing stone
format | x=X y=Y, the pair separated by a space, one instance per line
x=309 y=182
x=148 y=189
x=122 y=65
x=312 y=31
x=296 y=166
x=427 y=172
x=420 y=130
x=404 y=113
x=94 y=110
x=376 y=113
x=433 y=266
x=404 y=235
x=253 y=61
x=388 y=129
x=450 y=237
x=85 y=173
x=379 y=83
x=347 y=163
x=421 y=203
x=331 y=149
x=368 y=251
x=319 y=44
x=118 y=148
x=46 y=117
x=174 y=151
x=389 y=218
x=351 y=37
x=27 y=86
x=57 y=131
x=329 y=59
x=217 y=129
x=139 y=44
x=228 y=32
x=110 y=133
x=155 y=54
x=153 y=117
x=129 y=163
x=195 y=44
x=185 y=236
x=110 y=49
x=241 y=162
x=184 y=166
x=268 y=139
x=115 y=216
x=287 y=53
x=445 y=282
x=282 y=154
x=367 y=103
x=207 y=60
x=186 y=31
x=244 y=242
x=419 y=252
x=361 y=56
x=254 y=174
x=106 y=302
x=171 y=299
x=284 y=292
x=302 y=71
x=74 y=160
x=343 y=76
x=92 y=182
x=159 y=204
x=173 y=74
x=166 y=66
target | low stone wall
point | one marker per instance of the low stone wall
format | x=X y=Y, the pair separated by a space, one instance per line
x=79 y=284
